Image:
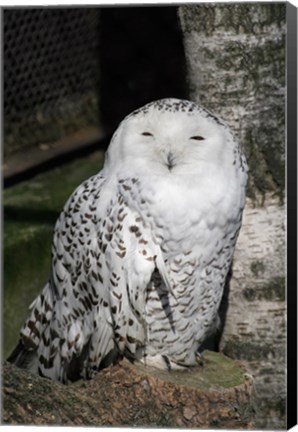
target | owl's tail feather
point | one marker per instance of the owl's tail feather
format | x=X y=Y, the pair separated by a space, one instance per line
x=25 y=353
x=23 y=357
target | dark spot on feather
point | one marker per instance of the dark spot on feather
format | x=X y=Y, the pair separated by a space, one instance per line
x=48 y=364
x=37 y=315
x=47 y=307
x=59 y=279
x=53 y=334
x=130 y=339
x=70 y=344
x=61 y=342
x=122 y=248
x=108 y=237
x=94 y=275
x=45 y=340
x=76 y=312
x=126 y=188
x=113 y=283
x=121 y=218
x=118 y=296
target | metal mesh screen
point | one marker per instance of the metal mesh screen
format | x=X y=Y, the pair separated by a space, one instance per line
x=51 y=73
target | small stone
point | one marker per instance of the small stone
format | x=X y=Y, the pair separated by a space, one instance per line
x=145 y=385
x=44 y=147
x=188 y=413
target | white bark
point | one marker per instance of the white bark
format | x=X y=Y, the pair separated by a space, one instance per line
x=235 y=55
x=254 y=329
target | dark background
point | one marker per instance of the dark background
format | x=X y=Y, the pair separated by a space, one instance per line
x=142 y=58
x=69 y=69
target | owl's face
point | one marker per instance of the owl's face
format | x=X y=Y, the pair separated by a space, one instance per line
x=170 y=137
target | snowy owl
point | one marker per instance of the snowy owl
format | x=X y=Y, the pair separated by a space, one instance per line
x=142 y=249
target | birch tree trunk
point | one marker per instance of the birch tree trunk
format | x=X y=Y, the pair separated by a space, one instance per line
x=235 y=56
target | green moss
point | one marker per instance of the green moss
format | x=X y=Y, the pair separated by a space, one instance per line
x=30 y=212
x=257 y=267
x=274 y=290
x=235 y=348
x=217 y=372
x=249 y=294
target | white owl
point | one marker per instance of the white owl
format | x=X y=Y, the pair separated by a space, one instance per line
x=142 y=249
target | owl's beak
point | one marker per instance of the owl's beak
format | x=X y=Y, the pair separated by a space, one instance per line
x=170 y=161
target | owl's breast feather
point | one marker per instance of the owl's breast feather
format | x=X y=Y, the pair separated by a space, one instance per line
x=184 y=204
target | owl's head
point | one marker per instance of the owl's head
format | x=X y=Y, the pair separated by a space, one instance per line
x=169 y=137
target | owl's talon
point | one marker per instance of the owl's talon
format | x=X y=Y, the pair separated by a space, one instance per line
x=163 y=362
x=200 y=359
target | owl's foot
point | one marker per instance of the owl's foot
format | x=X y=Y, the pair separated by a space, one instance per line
x=200 y=358
x=160 y=361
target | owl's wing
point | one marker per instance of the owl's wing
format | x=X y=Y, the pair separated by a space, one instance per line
x=93 y=307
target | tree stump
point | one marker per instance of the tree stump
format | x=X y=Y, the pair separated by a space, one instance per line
x=218 y=394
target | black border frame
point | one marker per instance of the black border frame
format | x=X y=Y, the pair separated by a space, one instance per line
x=291 y=76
